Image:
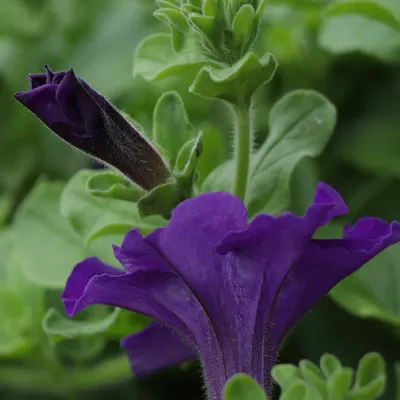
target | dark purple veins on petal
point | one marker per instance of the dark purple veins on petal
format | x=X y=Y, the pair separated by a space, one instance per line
x=224 y=290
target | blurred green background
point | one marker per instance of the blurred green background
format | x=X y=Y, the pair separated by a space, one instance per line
x=352 y=59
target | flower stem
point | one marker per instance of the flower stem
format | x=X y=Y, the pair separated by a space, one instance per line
x=242 y=150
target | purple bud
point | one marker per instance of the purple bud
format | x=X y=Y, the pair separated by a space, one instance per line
x=86 y=120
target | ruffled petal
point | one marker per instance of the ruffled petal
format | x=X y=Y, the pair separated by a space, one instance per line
x=156 y=347
x=269 y=248
x=196 y=227
x=157 y=294
x=135 y=254
x=323 y=264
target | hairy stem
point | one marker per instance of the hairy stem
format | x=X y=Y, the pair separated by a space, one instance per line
x=242 y=150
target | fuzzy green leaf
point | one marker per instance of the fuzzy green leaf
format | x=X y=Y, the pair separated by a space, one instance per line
x=242 y=78
x=243 y=387
x=171 y=125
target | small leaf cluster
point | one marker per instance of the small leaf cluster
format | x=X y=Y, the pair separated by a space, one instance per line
x=330 y=380
x=224 y=29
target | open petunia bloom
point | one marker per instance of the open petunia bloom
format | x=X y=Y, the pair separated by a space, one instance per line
x=224 y=290
x=86 y=120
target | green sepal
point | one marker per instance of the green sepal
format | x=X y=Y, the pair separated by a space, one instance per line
x=164 y=198
x=186 y=163
x=243 y=387
x=243 y=78
x=112 y=185
x=160 y=200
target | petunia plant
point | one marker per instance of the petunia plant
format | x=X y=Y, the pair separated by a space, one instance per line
x=211 y=261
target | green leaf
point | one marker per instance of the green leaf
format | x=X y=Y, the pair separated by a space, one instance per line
x=215 y=152
x=54 y=323
x=155 y=58
x=210 y=8
x=15 y=324
x=300 y=124
x=93 y=217
x=47 y=247
x=330 y=365
x=370 y=377
x=243 y=387
x=66 y=380
x=373 y=10
x=177 y=24
x=371 y=293
x=370 y=367
x=110 y=184
x=362 y=147
x=243 y=78
x=313 y=375
x=243 y=25
x=296 y=391
x=285 y=375
x=355 y=33
x=111 y=48
x=80 y=350
x=221 y=179
x=339 y=384
x=160 y=201
x=171 y=136
x=203 y=24
x=172 y=16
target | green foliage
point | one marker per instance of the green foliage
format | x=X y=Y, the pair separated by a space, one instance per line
x=243 y=78
x=92 y=216
x=225 y=31
x=171 y=125
x=332 y=381
x=47 y=247
x=155 y=58
x=112 y=185
x=348 y=50
x=369 y=26
x=300 y=125
x=242 y=387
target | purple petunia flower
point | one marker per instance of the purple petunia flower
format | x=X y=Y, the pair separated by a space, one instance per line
x=224 y=290
x=87 y=121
